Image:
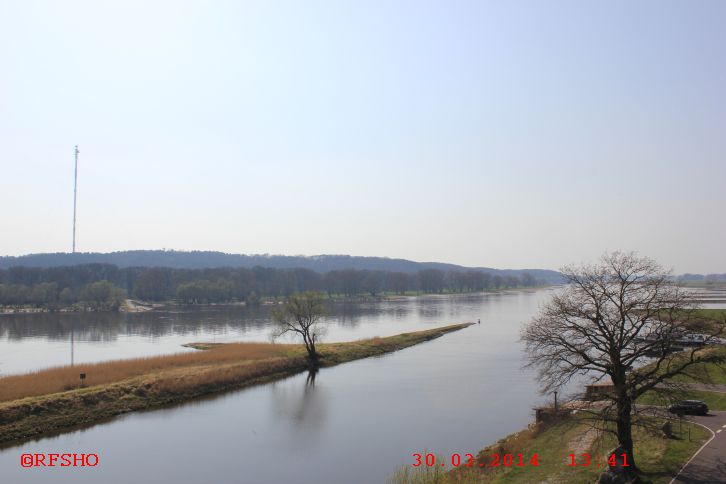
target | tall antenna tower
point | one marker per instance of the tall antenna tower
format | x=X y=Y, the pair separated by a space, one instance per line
x=75 y=185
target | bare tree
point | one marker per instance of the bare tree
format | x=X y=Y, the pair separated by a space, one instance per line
x=621 y=313
x=301 y=314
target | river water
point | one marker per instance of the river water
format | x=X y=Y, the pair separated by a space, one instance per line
x=356 y=423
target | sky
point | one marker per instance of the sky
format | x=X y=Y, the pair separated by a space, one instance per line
x=508 y=134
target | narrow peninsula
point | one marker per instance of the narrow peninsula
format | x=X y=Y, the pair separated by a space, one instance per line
x=56 y=399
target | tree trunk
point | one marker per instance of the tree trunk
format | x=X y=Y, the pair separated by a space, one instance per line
x=312 y=354
x=625 y=426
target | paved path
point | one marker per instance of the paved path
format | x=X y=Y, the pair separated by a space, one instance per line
x=708 y=466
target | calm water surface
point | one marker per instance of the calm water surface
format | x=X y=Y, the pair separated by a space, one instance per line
x=33 y=341
x=356 y=423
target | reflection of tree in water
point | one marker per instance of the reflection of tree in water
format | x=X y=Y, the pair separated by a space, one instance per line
x=304 y=407
x=429 y=312
x=193 y=323
x=191 y=320
x=58 y=326
x=310 y=381
x=102 y=327
x=453 y=306
x=350 y=314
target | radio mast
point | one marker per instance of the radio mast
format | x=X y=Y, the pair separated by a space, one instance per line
x=75 y=185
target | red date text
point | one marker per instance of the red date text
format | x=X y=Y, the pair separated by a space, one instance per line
x=468 y=460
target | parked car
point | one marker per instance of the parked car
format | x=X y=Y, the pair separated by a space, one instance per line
x=689 y=407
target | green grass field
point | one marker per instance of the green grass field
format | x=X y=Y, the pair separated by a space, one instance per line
x=710 y=372
x=715 y=401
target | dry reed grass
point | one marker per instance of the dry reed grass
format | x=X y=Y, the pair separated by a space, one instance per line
x=214 y=357
x=59 y=379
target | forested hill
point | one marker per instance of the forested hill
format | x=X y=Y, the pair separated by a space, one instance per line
x=208 y=259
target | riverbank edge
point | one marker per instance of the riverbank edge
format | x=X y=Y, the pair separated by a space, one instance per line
x=35 y=417
x=552 y=443
x=131 y=305
x=522 y=440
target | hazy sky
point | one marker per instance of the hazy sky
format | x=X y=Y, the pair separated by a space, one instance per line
x=503 y=134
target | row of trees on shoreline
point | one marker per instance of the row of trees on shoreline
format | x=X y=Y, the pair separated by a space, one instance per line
x=99 y=295
x=63 y=286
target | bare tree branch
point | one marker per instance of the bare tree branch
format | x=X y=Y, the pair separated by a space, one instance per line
x=622 y=313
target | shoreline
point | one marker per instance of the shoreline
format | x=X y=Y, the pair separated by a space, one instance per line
x=138 y=306
x=172 y=381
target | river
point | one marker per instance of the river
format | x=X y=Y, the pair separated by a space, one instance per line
x=356 y=423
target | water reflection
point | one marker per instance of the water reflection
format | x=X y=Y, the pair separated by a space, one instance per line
x=301 y=409
x=352 y=423
x=303 y=405
x=310 y=381
x=33 y=341
x=108 y=326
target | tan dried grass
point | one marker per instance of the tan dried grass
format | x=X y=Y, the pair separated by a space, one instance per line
x=59 y=379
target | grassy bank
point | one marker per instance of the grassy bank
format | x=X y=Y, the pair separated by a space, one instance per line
x=659 y=458
x=713 y=371
x=52 y=400
x=714 y=400
x=710 y=372
x=709 y=321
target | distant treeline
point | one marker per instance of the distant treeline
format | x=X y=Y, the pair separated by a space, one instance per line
x=99 y=295
x=106 y=285
x=708 y=278
x=209 y=259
